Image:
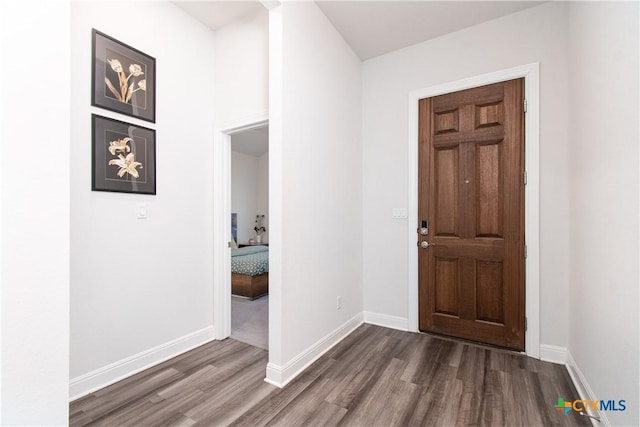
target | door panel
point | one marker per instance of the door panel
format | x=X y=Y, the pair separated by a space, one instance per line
x=488 y=168
x=472 y=194
x=447 y=282
x=489 y=291
x=446 y=197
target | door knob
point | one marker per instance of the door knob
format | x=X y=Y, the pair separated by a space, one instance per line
x=424 y=245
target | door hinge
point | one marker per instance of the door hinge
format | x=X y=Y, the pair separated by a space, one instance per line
x=525 y=105
x=525 y=178
x=526 y=324
x=525 y=251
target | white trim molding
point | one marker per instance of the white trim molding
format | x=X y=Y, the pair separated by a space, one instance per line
x=553 y=354
x=282 y=375
x=530 y=72
x=246 y=122
x=114 y=372
x=584 y=390
x=562 y=356
x=380 y=319
x=221 y=234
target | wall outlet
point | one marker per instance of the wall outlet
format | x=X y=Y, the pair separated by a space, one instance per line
x=338 y=303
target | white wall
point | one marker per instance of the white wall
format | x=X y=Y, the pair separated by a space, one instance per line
x=137 y=284
x=250 y=192
x=321 y=171
x=603 y=197
x=244 y=193
x=388 y=79
x=34 y=225
x=242 y=69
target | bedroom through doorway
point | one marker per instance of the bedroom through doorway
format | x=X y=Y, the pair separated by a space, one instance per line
x=250 y=236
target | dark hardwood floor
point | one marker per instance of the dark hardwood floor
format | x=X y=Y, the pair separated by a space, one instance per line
x=375 y=377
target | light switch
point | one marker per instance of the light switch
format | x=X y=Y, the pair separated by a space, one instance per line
x=399 y=213
x=142 y=211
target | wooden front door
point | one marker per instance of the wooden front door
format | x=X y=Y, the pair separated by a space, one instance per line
x=471 y=190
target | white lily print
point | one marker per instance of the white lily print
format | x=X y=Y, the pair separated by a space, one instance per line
x=126 y=165
x=126 y=90
x=135 y=70
x=119 y=145
x=115 y=65
x=142 y=85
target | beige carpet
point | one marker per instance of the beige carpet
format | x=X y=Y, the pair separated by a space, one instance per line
x=250 y=321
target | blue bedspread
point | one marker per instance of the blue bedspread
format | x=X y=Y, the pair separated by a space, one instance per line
x=250 y=260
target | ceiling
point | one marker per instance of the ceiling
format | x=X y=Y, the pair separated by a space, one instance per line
x=373 y=28
x=254 y=142
x=217 y=14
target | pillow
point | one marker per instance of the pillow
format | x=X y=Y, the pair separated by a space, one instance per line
x=234 y=244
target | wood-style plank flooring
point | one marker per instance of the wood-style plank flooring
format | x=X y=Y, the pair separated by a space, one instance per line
x=375 y=377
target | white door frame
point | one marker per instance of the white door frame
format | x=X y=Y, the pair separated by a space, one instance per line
x=530 y=72
x=222 y=219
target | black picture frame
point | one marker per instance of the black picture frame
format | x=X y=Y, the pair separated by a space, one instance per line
x=123 y=78
x=119 y=151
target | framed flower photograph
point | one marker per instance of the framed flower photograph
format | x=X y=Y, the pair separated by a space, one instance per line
x=123 y=157
x=124 y=79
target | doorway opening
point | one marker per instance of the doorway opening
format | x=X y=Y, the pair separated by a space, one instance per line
x=250 y=236
x=222 y=219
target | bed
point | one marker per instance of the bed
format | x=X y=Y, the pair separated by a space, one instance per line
x=250 y=271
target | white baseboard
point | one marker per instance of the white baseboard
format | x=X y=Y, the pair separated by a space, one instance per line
x=282 y=375
x=107 y=375
x=584 y=390
x=553 y=353
x=561 y=355
x=393 y=322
